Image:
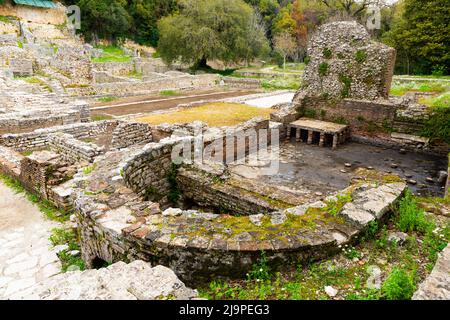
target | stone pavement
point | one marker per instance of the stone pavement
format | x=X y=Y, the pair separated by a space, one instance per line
x=26 y=256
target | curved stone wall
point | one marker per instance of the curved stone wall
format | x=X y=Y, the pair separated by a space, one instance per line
x=116 y=224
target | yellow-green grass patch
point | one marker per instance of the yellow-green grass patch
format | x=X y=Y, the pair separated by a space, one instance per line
x=214 y=114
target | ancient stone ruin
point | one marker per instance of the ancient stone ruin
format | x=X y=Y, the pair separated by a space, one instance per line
x=344 y=62
x=139 y=191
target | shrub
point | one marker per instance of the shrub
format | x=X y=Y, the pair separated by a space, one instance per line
x=411 y=217
x=260 y=270
x=399 y=285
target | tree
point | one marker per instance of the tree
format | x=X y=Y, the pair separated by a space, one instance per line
x=286 y=45
x=422 y=37
x=106 y=19
x=225 y=30
x=145 y=14
x=352 y=8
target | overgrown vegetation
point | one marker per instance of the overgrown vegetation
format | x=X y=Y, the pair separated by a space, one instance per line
x=399 y=285
x=174 y=191
x=351 y=271
x=437 y=127
x=69 y=257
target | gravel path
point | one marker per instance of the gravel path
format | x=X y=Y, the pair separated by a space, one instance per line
x=26 y=256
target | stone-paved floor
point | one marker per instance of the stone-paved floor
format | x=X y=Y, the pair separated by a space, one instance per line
x=26 y=256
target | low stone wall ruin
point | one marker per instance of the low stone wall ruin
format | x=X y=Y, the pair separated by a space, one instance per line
x=73 y=150
x=207 y=192
x=129 y=133
x=40 y=138
x=241 y=83
x=140 y=88
x=19 y=124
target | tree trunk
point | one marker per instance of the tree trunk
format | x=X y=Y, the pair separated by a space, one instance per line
x=202 y=64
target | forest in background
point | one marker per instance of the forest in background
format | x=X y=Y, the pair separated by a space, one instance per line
x=419 y=30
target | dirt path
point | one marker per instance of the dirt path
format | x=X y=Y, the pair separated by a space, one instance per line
x=145 y=104
x=26 y=256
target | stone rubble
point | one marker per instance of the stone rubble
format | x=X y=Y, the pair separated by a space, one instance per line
x=120 y=281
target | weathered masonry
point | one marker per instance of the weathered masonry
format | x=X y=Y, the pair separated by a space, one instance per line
x=325 y=133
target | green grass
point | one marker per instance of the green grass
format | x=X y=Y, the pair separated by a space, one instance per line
x=67 y=237
x=136 y=75
x=401 y=88
x=281 y=83
x=112 y=54
x=441 y=101
x=108 y=99
x=5 y=19
x=434 y=77
x=88 y=170
x=410 y=216
x=46 y=207
x=169 y=93
x=101 y=117
x=36 y=81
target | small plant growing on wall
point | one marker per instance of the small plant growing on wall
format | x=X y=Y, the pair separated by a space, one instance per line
x=361 y=56
x=327 y=53
x=323 y=69
x=175 y=192
x=347 y=82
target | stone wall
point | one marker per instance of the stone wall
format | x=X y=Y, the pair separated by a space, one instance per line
x=199 y=245
x=357 y=113
x=345 y=63
x=40 y=138
x=33 y=14
x=210 y=192
x=130 y=133
x=105 y=77
x=140 y=88
x=10 y=162
x=241 y=83
x=74 y=62
x=22 y=121
x=21 y=67
x=146 y=172
x=115 y=68
x=150 y=66
x=36 y=170
x=73 y=150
